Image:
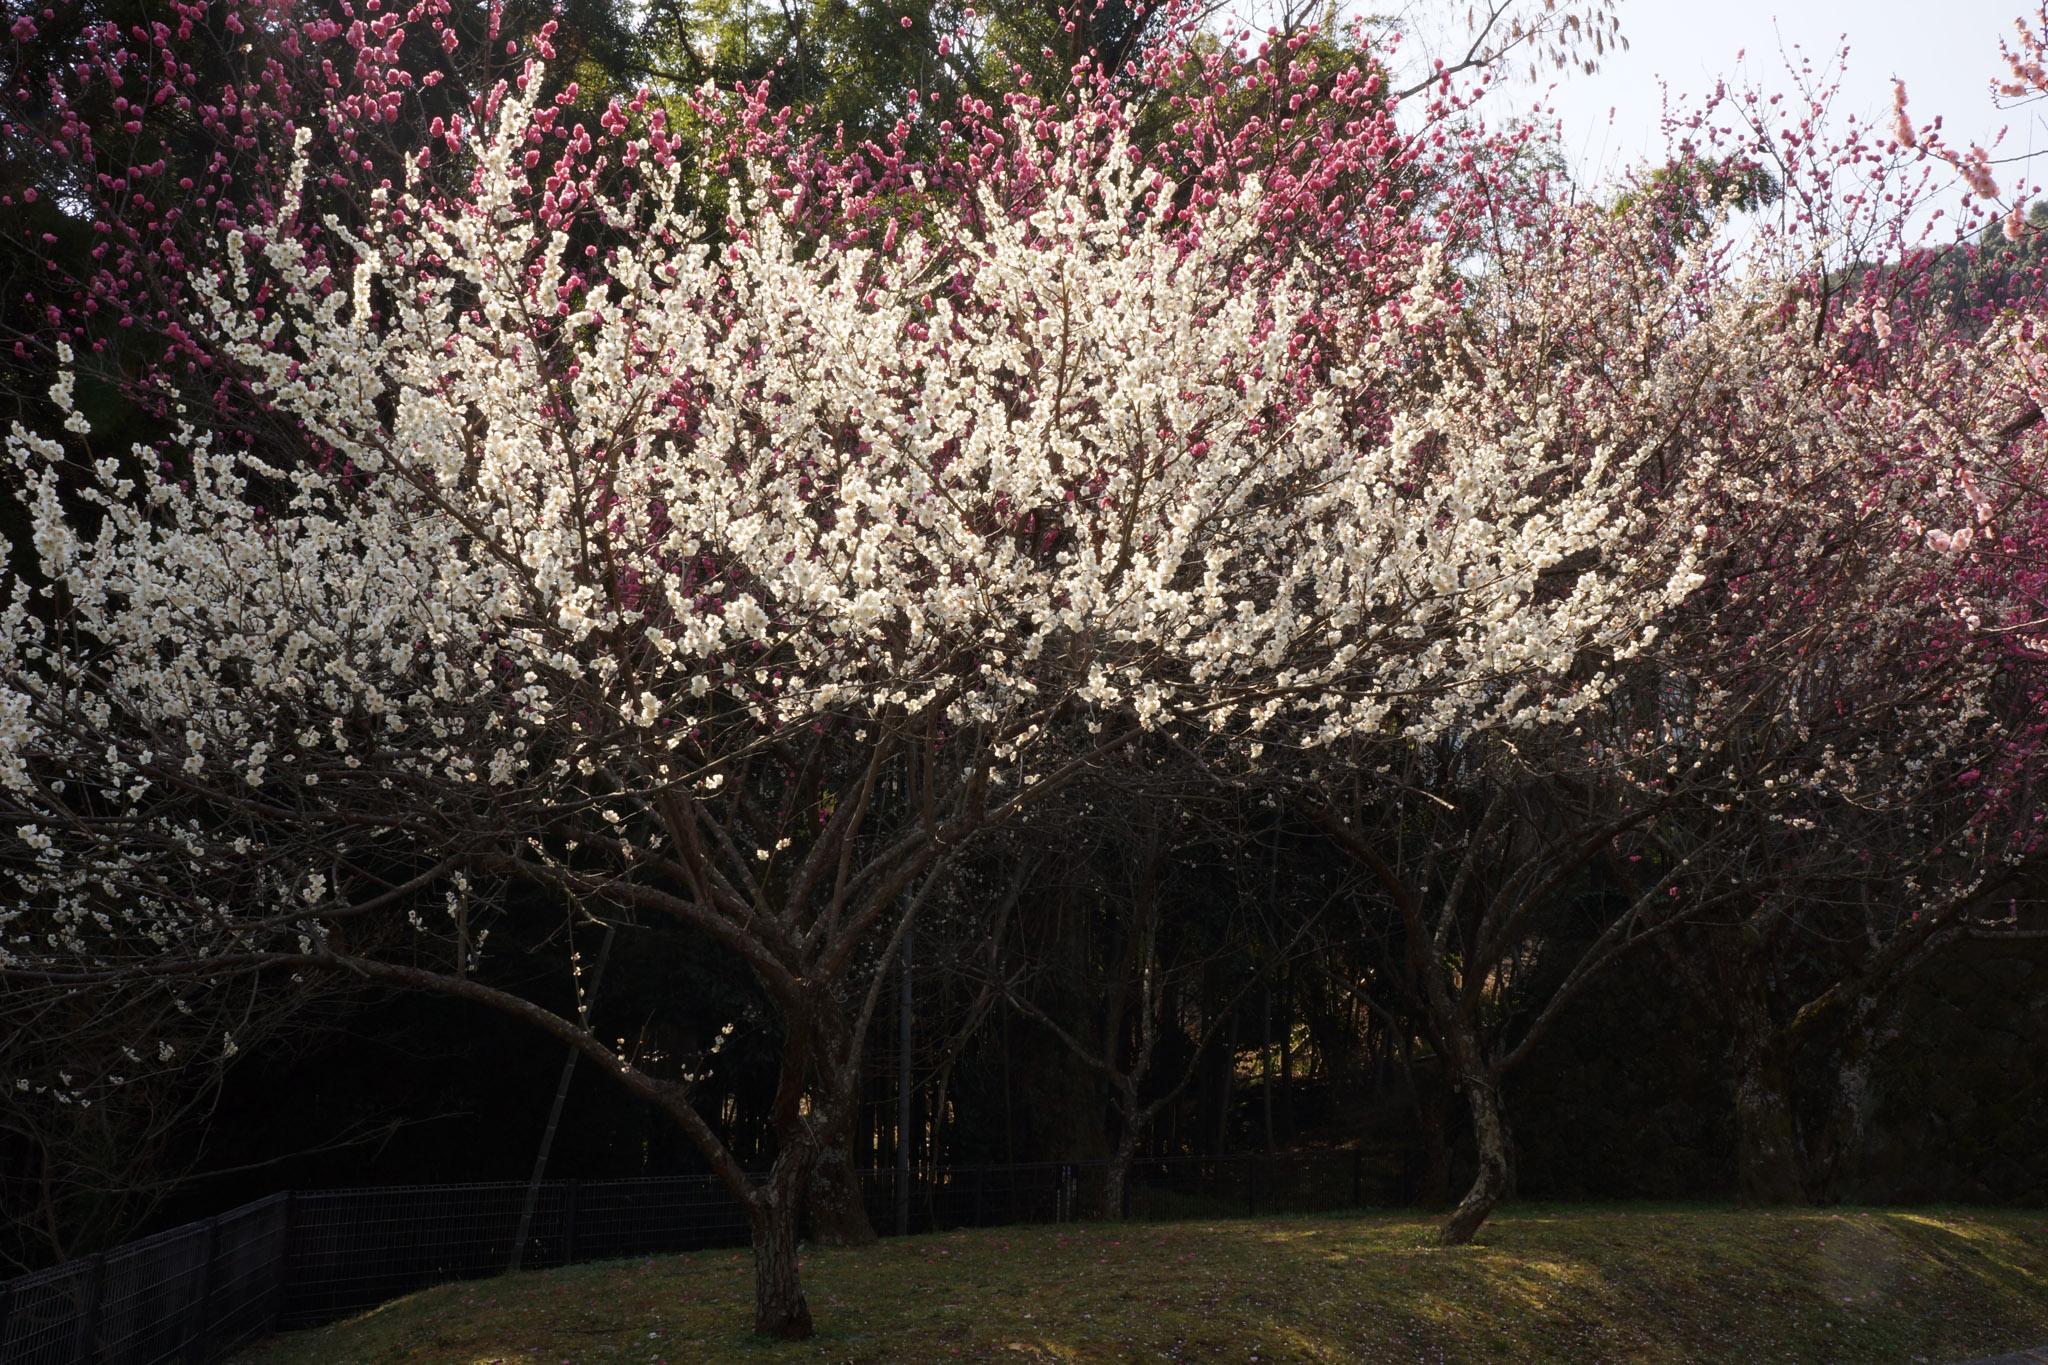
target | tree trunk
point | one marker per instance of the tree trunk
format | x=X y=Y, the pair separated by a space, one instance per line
x=838 y=1211
x=905 y=1039
x=1009 y=1111
x=1767 y=1140
x=1115 y=1179
x=1496 y=1165
x=1287 y=1056
x=1841 y=1139
x=780 y=1310
x=1769 y=1165
x=1226 y=1066
x=1117 y=1176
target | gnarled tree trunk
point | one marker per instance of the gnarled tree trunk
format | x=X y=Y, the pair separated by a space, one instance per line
x=780 y=1310
x=838 y=1210
x=809 y=1120
x=1770 y=1165
x=1495 y=1178
x=1840 y=1139
x=1116 y=1180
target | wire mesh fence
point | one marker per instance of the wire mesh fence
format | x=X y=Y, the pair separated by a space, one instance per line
x=190 y=1294
x=198 y=1292
x=350 y=1249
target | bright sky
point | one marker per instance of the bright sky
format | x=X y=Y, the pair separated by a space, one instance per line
x=1946 y=51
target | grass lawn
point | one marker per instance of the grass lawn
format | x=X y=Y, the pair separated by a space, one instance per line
x=1559 y=1283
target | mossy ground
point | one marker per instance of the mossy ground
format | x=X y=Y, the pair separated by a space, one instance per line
x=1579 y=1284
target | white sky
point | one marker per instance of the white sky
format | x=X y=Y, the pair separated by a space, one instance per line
x=1945 y=50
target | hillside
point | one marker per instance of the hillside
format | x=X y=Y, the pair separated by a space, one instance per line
x=1545 y=1283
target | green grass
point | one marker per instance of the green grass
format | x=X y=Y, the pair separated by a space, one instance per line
x=1581 y=1283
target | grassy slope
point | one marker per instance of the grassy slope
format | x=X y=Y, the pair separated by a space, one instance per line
x=1548 y=1283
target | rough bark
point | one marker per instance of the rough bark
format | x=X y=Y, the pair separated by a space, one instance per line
x=780 y=1310
x=808 y=1120
x=1495 y=1177
x=1116 y=1178
x=1833 y=1159
x=838 y=1211
x=1770 y=1166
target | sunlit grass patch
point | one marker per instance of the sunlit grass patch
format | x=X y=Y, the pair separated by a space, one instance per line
x=1542 y=1284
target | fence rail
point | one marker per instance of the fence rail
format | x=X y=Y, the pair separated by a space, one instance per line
x=197 y=1293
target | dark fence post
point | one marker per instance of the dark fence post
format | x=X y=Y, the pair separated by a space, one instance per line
x=980 y=1179
x=83 y=1345
x=1251 y=1185
x=569 y=1202
x=1357 y=1178
x=199 y=1327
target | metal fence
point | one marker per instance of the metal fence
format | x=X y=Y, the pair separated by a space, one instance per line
x=191 y=1294
x=198 y=1292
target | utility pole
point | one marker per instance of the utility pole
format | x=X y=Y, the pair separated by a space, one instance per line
x=903 y=1044
x=1266 y=1061
x=547 y=1137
